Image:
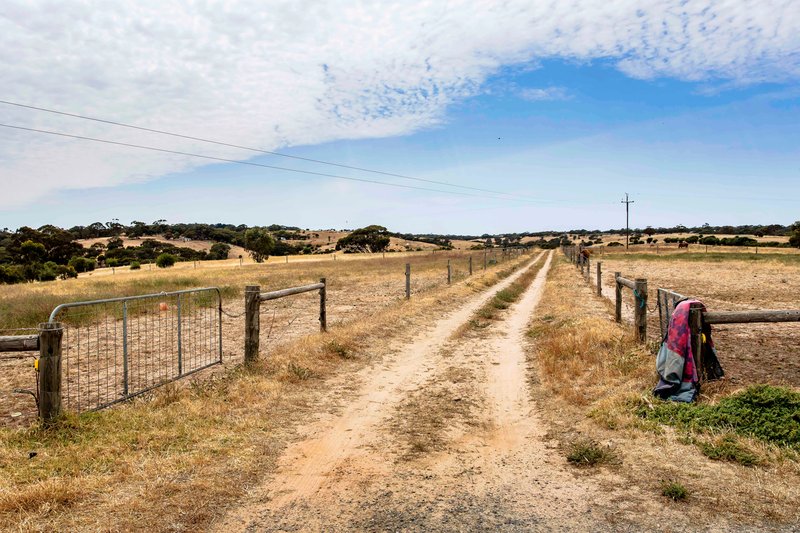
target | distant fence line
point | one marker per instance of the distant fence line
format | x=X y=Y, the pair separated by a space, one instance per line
x=93 y=354
x=667 y=300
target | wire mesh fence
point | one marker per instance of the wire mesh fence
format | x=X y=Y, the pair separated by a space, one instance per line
x=122 y=347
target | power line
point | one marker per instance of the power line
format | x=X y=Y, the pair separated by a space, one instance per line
x=259 y=150
x=253 y=164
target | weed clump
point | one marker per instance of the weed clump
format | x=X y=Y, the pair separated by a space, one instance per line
x=298 y=373
x=674 y=490
x=338 y=349
x=587 y=452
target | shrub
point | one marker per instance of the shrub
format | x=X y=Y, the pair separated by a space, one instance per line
x=112 y=262
x=614 y=243
x=82 y=264
x=65 y=272
x=48 y=272
x=12 y=274
x=165 y=260
x=135 y=265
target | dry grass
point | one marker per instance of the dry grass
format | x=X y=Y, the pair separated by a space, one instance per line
x=175 y=459
x=592 y=378
x=26 y=305
x=749 y=353
x=503 y=298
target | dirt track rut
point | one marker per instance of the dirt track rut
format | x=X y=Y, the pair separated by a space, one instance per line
x=444 y=437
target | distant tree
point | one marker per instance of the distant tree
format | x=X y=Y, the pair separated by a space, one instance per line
x=114 y=243
x=219 y=251
x=794 y=236
x=368 y=239
x=259 y=243
x=82 y=264
x=33 y=251
x=649 y=231
x=165 y=260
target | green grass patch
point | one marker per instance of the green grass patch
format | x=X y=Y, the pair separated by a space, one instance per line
x=674 y=491
x=728 y=448
x=764 y=412
x=499 y=304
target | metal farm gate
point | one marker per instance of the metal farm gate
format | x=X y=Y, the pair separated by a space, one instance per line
x=118 y=348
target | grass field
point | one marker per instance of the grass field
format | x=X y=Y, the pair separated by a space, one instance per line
x=749 y=353
x=207 y=439
x=358 y=286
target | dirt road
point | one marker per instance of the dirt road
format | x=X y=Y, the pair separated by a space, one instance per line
x=443 y=437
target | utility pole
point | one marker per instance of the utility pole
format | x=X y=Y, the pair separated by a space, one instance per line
x=627 y=220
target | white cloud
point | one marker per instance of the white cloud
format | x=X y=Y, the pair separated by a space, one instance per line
x=280 y=73
x=537 y=94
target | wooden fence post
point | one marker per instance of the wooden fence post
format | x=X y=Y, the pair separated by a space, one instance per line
x=696 y=329
x=640 y=315
x=588 y=269
x=485 y=253
x=408 y=281
x=323 y=297
x=618 y=301
x=449 y=273
x=470 y=265
x=599 y=278
x=252 y=317
x=50 y=335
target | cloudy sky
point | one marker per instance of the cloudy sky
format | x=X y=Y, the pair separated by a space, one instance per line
x=691 y=107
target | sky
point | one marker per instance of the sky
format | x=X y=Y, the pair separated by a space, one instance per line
x=510 y=117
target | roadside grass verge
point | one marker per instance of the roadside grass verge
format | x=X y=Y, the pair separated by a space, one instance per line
x=174 y=459
x=594 y=382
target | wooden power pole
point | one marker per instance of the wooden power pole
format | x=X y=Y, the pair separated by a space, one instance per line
x=627 y=220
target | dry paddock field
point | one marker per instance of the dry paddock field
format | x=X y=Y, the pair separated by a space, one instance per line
x=358 y=286
x=724 y=279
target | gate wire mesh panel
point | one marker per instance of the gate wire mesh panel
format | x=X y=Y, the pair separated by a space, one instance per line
x=667 y=300
x=115 y=349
